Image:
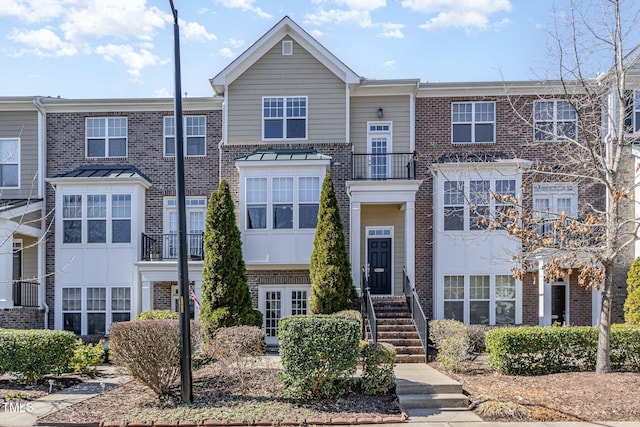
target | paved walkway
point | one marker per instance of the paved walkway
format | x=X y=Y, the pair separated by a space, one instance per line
x=418 y=372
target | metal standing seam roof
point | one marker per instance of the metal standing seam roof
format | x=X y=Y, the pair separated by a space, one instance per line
x=104 y=171
x=283 y=154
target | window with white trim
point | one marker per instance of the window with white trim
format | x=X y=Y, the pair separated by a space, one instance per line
x=454 y=205
x=105 y=217
x=195 y=135
x=481 y=299
x=195 y=208
x=120 y=304
x=282 y=202
x=96 y=310
x=550 y=202
x=9 y=162
x=276 y=302
x=72 y=310
x=96 y=218
x=106 y=137
x=554 y=120
x=284 y=117
x=71 y=218
x=473 y=122
x=479 y=199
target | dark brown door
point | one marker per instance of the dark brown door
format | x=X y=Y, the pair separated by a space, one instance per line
x=379 y=251
x=558 y=304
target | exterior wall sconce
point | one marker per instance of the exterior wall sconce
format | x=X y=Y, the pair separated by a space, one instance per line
x=380 y=113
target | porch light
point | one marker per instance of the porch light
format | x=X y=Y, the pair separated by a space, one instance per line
x=380 y=113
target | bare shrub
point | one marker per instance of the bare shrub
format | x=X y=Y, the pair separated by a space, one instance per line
x=150 y=350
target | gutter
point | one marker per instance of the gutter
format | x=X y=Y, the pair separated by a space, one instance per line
x=42 y=250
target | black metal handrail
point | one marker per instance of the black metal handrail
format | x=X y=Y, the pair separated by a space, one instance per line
x=25 y=293
x=160 y=247
x=417 y=314
x=383 y=166
x=372 y=320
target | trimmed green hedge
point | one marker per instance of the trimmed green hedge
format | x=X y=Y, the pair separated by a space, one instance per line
x=32 y=354
x=537 y=350
x=157 y=315
x=319 y=354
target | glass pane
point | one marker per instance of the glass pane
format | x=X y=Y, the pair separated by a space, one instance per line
x=462 y=112
x=96 y=206
x=453 y=287
x=96 y=128
x=256 y=190
x=479 y=218
x=273 y=129
x=117 y=147
x=484 y=112
x=479 y=193
x=170 y=146
x=121 y=206
x=256 y=216
x=9 y=150
x=272 y=312
x=195 y=146
x=453 y=192
x=120 y=299
x=96 y=231
x=505 y=313
x=282 y=216
x=544 y=131
x=282 y=190
x=462 y=133
x=298 y=302
x=454 y=310
x=117 y=127
x=296 y=128
x=479 y=312
x=8 y=175
x=484 y=132
x=71 y=231
x=453 y=218
x=309 y=189
x=121 y=231
x=120 y=317
x=505 y=287
x=308 y=216
x=479 y=287
x=95 y=148
x=96 y=299
x=96 y=323
x=71 y=322
x=543 y=111
x=71 y=299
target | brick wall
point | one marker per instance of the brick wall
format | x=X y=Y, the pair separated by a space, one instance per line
x=22 y=318
x=162 y=295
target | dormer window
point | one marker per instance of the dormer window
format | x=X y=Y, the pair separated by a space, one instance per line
x=287 y=47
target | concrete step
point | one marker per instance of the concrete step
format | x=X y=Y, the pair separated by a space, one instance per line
x=397 y=321
x=396 y=328
x=403 y=342
x=404 y=386
x=431 y=400
x=409 y=358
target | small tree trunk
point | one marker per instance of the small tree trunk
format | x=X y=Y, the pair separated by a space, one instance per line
x=603 y=357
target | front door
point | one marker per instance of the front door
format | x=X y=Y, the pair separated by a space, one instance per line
x=558 y=304
x=379 y=260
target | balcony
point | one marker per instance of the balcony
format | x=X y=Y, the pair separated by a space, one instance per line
x=25 y=294
x=383 y=166
x=162 y=247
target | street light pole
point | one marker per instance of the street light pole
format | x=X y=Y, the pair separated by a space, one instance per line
x=183 y=266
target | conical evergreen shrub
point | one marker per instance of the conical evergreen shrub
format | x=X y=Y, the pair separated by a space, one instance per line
x=632 y=303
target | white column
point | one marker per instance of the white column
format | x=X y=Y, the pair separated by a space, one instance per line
x=355 y=245
x=6 y=264
x=544 y=316
x=147 y=295
x=410 y=239
x=596 y=301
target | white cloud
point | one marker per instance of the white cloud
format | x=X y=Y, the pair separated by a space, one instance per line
x=362 y=4
x=467 y=14
x=33 y=11
x=227 y=53
x=42 y=42
x=389 y=65
x=236 y=44
x=246 y=5
x=114 y=18
x=361 y=18
x=392 y=31
x=136 y=61
x=196 y=32
x=162 y=93
x=316 y=33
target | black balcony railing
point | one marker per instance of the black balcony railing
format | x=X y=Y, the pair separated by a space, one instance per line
x=383 y=166
x=160 y=247
x=25 y=294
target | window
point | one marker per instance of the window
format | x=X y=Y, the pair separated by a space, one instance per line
x=473 y=122
x=479 y=197
x=554 y=120
x=379 y=145
x=282 y=202
x=96 y=310
x=550 y=202
x=454 y=205
x=120 y=304
x=121 y=218
x=196 y=208
x=9 y=162
x=273 y=312
x=480 y=299
x=72 y=218
x=309 y=201
x=505 y=300
x=96 y=218
x=280 y=301
x=284 y=117
x=72 y=310
x=195 y=131
x=636 y=110
x=454 y=297
x=106 y=137
x=256 y=203
x=505 y=193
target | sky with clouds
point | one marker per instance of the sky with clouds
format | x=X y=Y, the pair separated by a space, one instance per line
x=124 y=48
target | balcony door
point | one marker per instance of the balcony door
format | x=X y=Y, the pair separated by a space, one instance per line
x=196 y=211
x=378 y=147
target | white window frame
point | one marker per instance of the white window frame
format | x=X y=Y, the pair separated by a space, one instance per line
x=555 y=120
x=381 y=232
x=476 y=120
x=193 y=205
x=380 y=130
x=286 y=303
x=287 y=47
x=553 y=192
x=285 y=117
x=10 y=158
x=107 y=137
x=187 y=137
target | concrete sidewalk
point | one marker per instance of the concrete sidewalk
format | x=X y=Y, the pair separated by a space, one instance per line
x=27 y=414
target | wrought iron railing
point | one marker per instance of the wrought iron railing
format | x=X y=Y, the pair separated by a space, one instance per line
x=383 y=166
x=160 y=247
x=25 y=294
x=369 y=312
x=417 y=314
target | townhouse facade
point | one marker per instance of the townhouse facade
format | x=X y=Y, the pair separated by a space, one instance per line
x=416 y=168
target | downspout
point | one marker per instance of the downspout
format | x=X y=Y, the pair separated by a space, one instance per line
x=42 y=250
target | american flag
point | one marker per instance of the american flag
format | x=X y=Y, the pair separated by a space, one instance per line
x=194 y=298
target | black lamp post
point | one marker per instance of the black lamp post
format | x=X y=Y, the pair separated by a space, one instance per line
x=183 y=266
